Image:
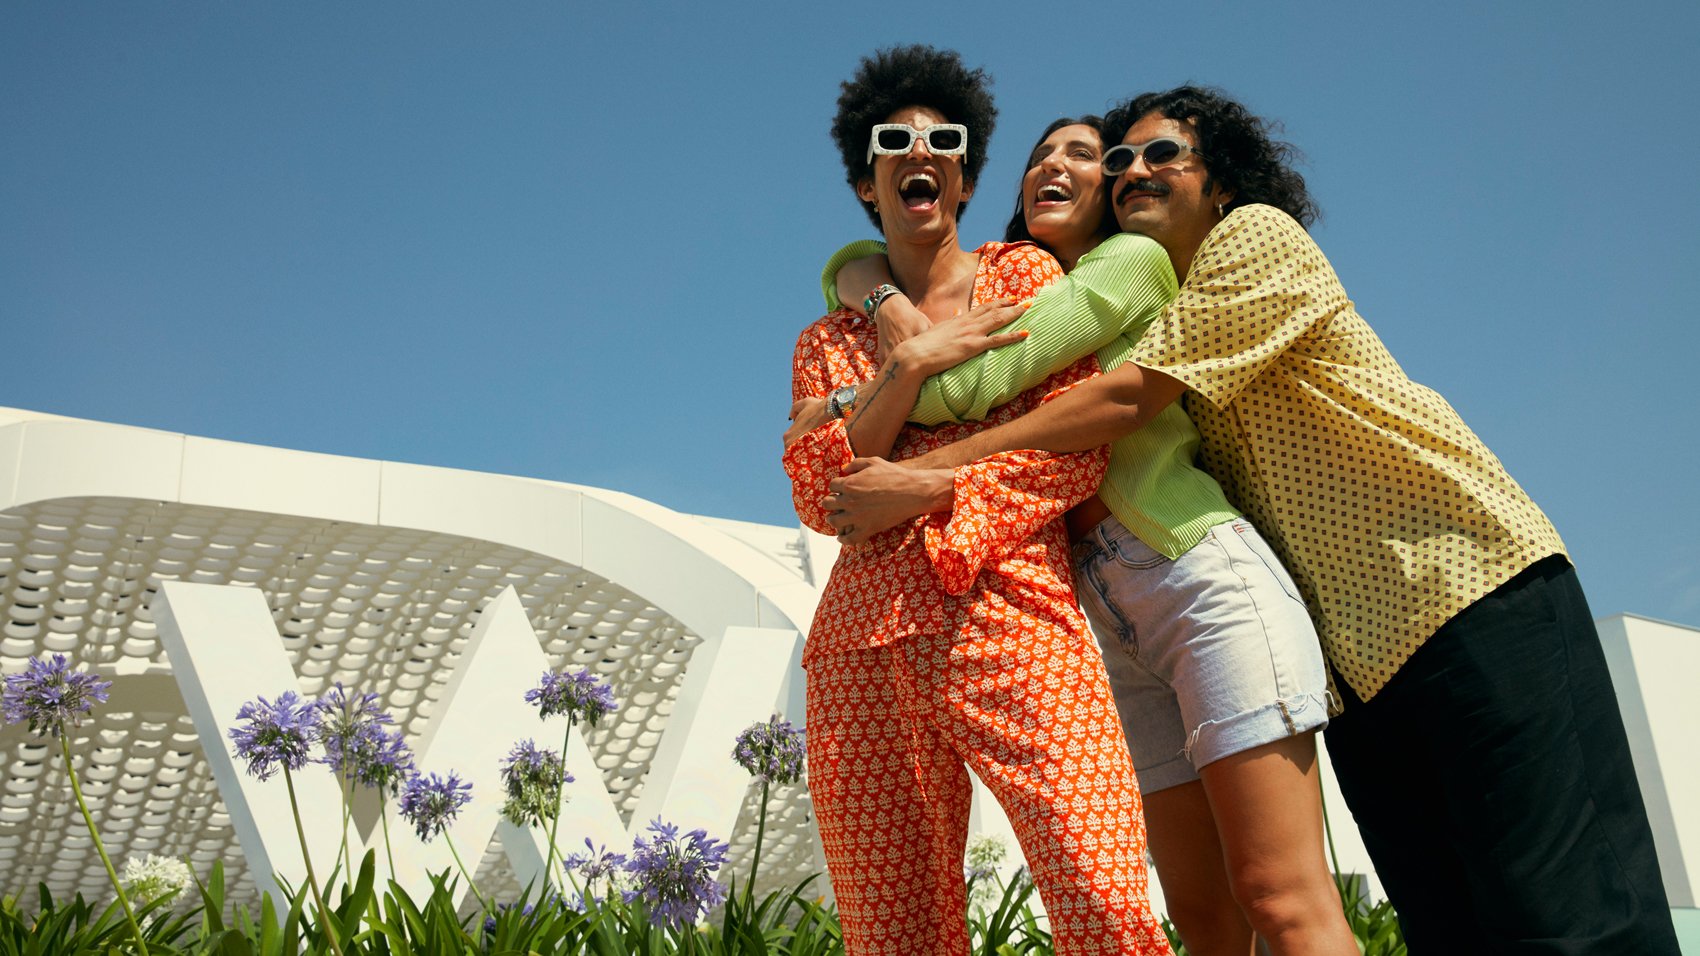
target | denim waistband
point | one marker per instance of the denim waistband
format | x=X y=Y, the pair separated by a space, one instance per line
x=1097 y=540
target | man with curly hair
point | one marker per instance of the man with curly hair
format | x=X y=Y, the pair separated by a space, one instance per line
x=1479 y=742
x=952 y=643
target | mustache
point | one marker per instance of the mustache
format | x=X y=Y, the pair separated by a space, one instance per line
x=1142 y=186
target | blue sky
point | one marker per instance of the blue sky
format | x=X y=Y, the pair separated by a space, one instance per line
x=576 y=241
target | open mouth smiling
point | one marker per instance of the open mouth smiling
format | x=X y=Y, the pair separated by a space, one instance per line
x=919 y=190
x=1054 y=193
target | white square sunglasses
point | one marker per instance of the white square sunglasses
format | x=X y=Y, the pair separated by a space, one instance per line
x=895 y=139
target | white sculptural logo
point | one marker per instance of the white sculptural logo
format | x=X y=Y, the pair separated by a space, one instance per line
x=224 y=650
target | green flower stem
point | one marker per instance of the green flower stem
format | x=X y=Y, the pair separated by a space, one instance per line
x=307 y=858
x=755 y=861
x=384 y=818
x=560 y=798
x=342 y=858
x=482 y=900
x=88 y=818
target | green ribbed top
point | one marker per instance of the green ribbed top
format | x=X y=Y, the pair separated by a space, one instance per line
x=1103 y=307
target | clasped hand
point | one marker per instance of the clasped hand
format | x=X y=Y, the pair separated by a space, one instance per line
x=873 y=495
x=807 y=414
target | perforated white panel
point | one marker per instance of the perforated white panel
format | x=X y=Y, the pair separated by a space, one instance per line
x=378 y=608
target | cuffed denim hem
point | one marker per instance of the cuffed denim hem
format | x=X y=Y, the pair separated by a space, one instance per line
x=1170 y=773
x=1289 y=717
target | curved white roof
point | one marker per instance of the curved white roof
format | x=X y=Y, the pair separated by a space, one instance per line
x=374 y=573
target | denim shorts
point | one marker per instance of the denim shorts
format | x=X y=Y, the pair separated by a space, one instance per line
x=1209 y=654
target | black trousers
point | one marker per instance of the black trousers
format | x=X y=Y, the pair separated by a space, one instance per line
x=1492 y=782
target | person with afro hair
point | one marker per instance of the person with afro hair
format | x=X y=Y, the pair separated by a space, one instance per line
x=904 y=76
x=952 y=644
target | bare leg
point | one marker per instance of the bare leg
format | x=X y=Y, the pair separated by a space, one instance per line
x=1268 y=810
x=1190 y=865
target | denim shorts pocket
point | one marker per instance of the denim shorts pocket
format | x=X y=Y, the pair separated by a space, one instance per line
x=1130 y=552
x=1253 y=541
x=1099 y=598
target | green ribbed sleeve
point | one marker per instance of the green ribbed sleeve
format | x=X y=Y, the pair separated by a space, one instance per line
x=1104 y=307
x=1115 y=291
x=860 y=249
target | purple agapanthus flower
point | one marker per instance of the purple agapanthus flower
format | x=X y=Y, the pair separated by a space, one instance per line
x=596 y=872
x=532 y=777
x=674 y=875
x=278 y=734
x=771 y=750
x=358 y=742
x=48 y=695
x=430 y=802
x=596 y=863
x=388 y=764
x=579 y=695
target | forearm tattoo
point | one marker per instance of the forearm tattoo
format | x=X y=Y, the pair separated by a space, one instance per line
x=863 y=404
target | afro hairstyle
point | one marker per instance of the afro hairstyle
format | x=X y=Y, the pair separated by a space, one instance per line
x=915 y=75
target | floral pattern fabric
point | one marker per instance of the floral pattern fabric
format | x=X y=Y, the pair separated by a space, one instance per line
x=953 y=643
x=893 y=732
x=924 y=577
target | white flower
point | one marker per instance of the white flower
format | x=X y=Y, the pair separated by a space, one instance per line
x=154 y=876
x=985 y=854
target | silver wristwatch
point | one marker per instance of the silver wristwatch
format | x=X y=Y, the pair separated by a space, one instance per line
x=840 y=401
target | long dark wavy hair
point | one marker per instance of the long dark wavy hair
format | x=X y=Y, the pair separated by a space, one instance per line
x=915 y=75
x=1236 y=146
x=1016 y=231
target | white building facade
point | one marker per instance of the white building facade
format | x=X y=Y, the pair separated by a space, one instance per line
x=196 y=574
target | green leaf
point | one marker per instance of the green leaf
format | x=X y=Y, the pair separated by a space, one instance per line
x=231 y=943
x=270 y=934
x=212 y=901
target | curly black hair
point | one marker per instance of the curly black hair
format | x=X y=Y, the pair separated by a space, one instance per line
x=1016 y=231
x=916 y=75
x=1238 y=151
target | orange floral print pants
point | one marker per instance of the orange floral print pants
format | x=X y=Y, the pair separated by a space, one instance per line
x=892 y=734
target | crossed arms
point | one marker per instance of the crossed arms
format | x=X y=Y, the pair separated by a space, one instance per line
x=1113 y=293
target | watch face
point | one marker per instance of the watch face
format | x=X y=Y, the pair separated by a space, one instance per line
x=843 y=398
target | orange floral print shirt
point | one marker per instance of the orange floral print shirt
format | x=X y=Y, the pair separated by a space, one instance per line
x=1000 y=556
